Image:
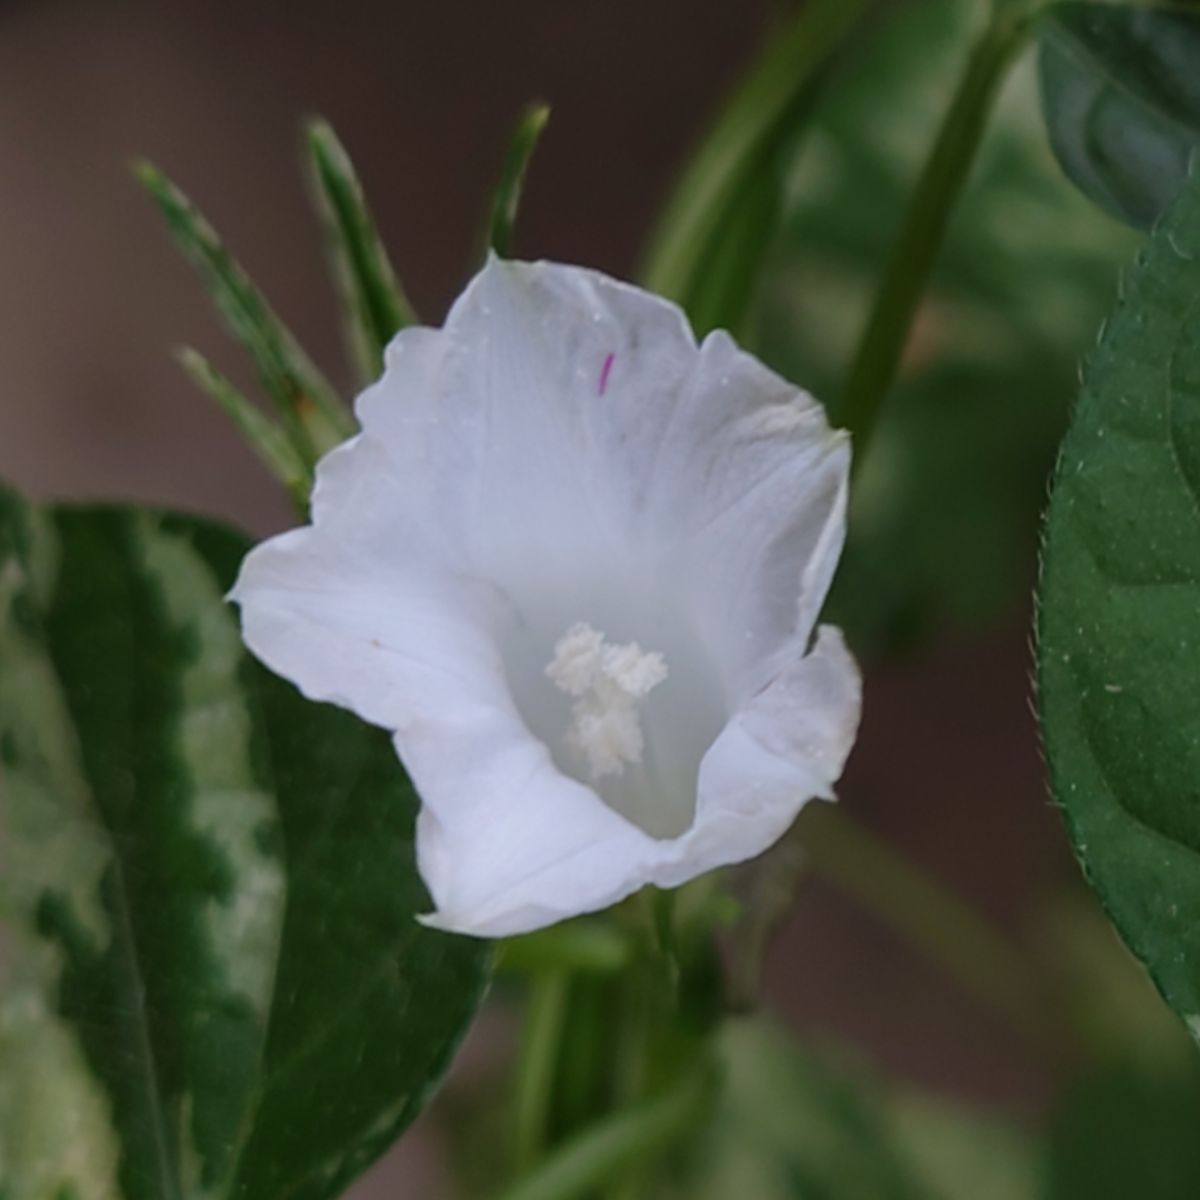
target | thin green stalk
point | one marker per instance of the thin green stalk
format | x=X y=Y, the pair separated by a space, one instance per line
x=632 y=1057
x=374 y=304
x=264 y=436
x=875 y=362
x=587 y=947
x=311 y=412
x=929 y=916
x=503 y=217
x=545 y=1016
x=752 y=120
x=597 y=1154
x=774 y=881
x=662 y=901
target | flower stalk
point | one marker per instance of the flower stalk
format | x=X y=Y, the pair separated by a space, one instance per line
x=600 y=1153
x=545 y=1018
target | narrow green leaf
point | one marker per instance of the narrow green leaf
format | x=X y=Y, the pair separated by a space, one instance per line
x=876 y=358
x=262 y=434
x=374 y=303
x=315 y=418
x=722 y=292
x=512 y=178
x=1121 y=99
x=1119 y=614
x=208 y=890
x=737 y=163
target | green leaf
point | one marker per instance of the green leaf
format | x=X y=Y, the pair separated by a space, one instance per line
x=264 y=436
x=1119 y=614
x=722 y=216
x=1120 y=1132
x=375 y=304
x=1121 y=99
x=798 y=1123
x=208 y=890
x=507 y=198
x=722 y=293
x=941 y=531
x=315 y=418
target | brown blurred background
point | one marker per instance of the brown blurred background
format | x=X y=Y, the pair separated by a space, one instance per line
x=92 y=297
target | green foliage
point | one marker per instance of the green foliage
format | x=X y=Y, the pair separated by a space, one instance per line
x=1119 y=614
x=216 y=986
x=373 y=303
x=800 y=1124
x=503 y=217
x=946 y=501
x=711 y=243
x=1121 y=1132
x=1121 y=98
x=620 y=1140
x=264 y=436
x=314 y=417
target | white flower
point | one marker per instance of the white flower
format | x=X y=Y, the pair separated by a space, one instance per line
x=574 y=562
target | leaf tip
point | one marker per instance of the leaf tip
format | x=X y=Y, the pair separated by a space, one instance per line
x=148 y=175
x=320 y=138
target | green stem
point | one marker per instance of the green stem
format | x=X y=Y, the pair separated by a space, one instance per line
x=929 y=916
x=503 y=216
x=632 y=1058
x=753 y=118
x=542 y=1034
x=597 y=1154
x=877 y=357
x=585 y=946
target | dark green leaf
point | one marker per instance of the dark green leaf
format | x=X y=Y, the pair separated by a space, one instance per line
x=1121 y=98
x=1119 y=614
x=524 y=141
x=314 y=416
x=209 y=889
x=1121 y=1132
x=375 y=304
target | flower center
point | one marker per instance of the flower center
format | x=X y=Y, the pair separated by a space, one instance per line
x=607 y=681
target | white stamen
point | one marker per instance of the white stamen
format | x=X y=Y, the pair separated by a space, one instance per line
x=607 y=682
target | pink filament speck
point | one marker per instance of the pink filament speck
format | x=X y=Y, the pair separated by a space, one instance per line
x=604 y=372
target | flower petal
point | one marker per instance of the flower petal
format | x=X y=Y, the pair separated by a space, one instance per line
x=751 y=493
x=702 y=469
x=786 y=748
x=567 y=380
x=505 y=842
x=378 y=641
x=497 y=867
x=566 y=427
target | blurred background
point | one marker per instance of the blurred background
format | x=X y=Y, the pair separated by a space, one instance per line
x=935 y=585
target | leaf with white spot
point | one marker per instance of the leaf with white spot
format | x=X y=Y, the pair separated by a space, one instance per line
x=216 y=986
